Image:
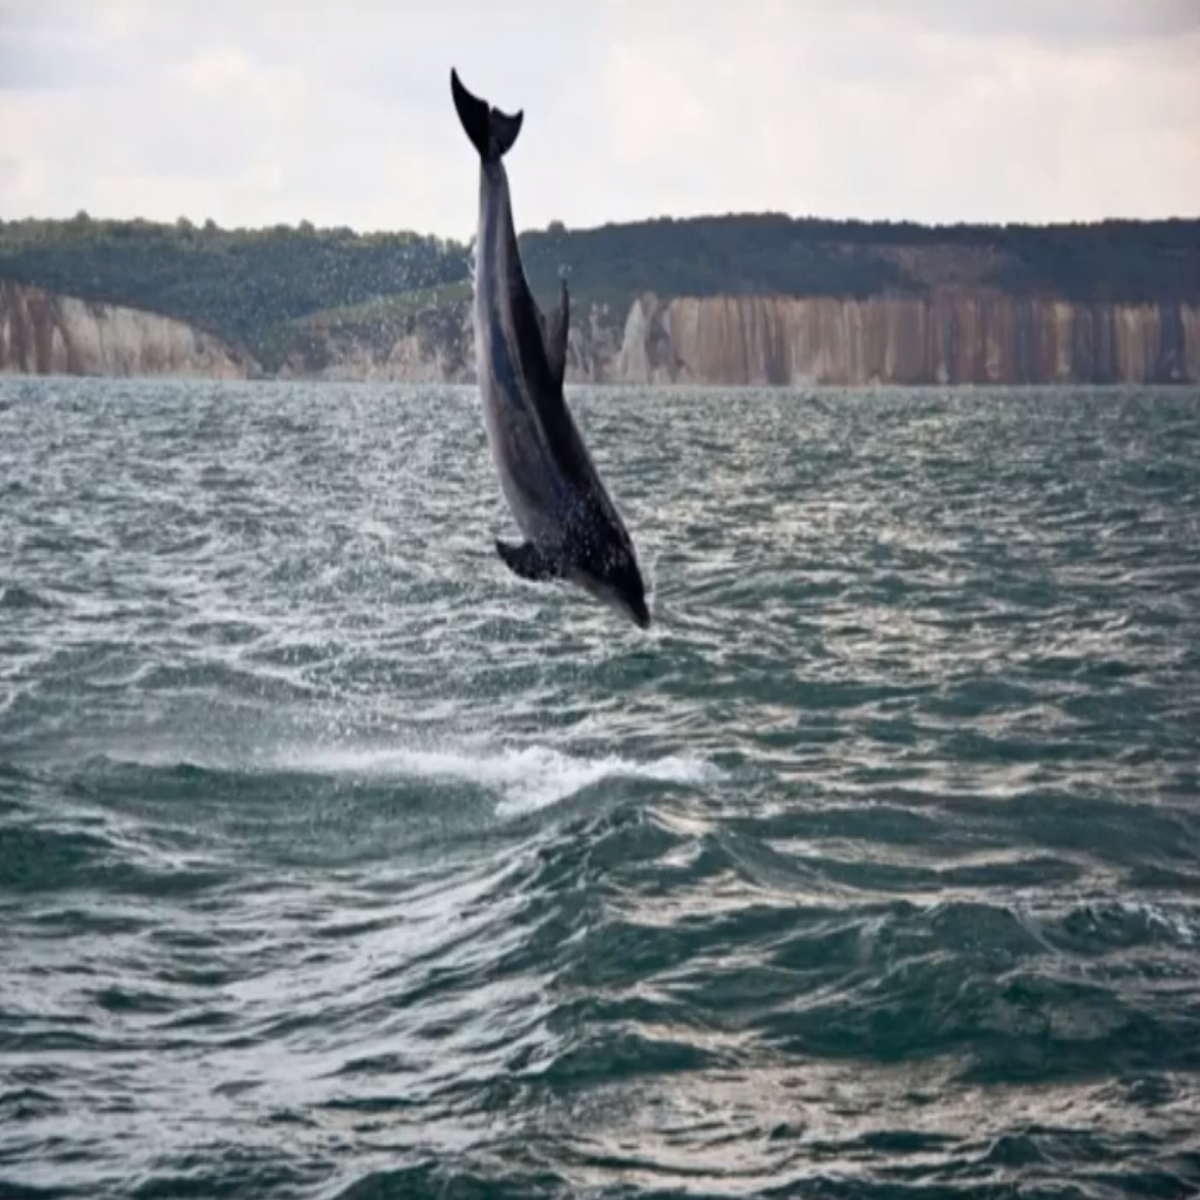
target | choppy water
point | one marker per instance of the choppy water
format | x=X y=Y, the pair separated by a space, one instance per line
x=337 y=862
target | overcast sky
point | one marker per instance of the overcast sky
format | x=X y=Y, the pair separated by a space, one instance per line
x=254 y=112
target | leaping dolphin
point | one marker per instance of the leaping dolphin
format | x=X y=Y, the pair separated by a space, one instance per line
x=572 y=528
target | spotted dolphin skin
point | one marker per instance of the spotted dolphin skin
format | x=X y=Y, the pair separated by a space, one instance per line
x=571 y=527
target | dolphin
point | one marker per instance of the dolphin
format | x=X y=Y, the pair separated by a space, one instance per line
x=571 y=527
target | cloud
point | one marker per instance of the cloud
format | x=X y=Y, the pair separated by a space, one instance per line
x=1061 y=23
x=340 y=113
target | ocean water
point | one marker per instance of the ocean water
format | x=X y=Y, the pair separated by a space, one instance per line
x=336 y=862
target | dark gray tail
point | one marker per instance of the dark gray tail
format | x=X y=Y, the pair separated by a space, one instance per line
x=492 y=132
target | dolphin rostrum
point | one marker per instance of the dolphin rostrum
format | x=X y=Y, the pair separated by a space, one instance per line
x=571 y=527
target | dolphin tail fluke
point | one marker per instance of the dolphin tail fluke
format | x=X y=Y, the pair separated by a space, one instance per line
x=527 y=561
x=492 y=132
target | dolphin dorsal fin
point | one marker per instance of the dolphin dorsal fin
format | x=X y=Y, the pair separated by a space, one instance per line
x=555 y=328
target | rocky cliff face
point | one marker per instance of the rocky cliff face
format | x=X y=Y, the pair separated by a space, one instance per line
x=45 y=334
x=947 y=336
x=951 y=336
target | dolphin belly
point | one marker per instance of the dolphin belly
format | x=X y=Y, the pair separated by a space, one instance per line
x=530 y=482
x=527 y=488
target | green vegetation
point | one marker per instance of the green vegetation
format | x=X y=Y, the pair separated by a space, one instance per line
x=281 y=290
x=1110 y=261
x=385 y=310
x=246 y=286
x=377 y=323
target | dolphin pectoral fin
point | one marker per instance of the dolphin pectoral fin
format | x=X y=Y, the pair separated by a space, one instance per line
x=491 y=131
x=527 y=561
x=555 y=328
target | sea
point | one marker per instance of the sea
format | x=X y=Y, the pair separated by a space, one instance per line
x=338 y=863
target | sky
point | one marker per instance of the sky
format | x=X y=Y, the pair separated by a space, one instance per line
x=257 y=112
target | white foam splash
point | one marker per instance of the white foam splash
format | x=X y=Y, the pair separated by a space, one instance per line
x=1182 y=924
x=526 y=779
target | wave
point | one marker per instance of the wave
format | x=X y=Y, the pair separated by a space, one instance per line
x=523 y=779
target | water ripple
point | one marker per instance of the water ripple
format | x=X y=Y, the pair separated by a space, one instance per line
x=336 y=862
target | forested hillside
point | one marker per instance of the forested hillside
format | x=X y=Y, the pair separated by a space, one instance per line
x=267 y=289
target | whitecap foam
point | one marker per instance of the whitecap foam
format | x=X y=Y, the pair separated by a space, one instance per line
x=527 y=779
x=1182 y=924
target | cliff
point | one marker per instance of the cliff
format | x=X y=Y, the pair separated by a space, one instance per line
x=949 y=335
x=737 y=298
x=45 y=334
